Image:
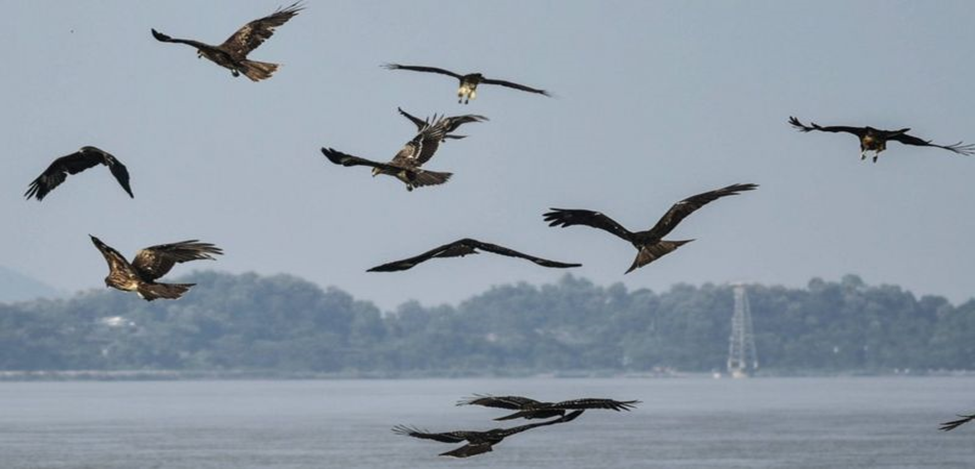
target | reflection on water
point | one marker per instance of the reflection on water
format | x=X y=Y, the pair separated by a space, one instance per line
x=682 y=423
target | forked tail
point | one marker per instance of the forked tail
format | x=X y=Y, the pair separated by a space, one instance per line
x=169 y=291
x=258 y=71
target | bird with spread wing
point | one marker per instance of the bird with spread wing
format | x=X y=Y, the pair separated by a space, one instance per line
x=467 y=89
x=150 y=264
x=86 y=157
x=875 y=140
x=477 y=442
x=951 y=425
x=462 y=248
x=232 y=54
x=650 y=243
x=531 y=409
x=406 y=165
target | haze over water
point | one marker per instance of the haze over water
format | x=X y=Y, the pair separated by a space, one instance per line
x=682 y=423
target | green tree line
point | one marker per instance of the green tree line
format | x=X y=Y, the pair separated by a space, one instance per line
x=285 y=324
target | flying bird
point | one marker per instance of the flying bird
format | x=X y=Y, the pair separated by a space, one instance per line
x=947 y=426
x=531 y=409
x=86 y=157
x=468 y=83
x=405 y=166
x=150 y=264
x=649 y=244
x=462 y=248
x=875 y=140
x=232 y=54
x=477 y=442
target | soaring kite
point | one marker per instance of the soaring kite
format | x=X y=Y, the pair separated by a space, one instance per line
x=232 y=54
x=150 y=264
x=467 y=89
x=649 y=244
x=462 y=248
x=86 y=157
x=875 y=140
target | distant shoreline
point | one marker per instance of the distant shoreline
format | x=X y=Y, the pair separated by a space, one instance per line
x=230 y=375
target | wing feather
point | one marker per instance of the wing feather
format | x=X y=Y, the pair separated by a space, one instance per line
x=113 y=258
x=569 y=217
x=447 y=437
x=959 y=148
x=499 y=402
x=420 y=68
x=489 y=81
x=951 y=425
x=155 y=261
x=685 y=207
x=253 y=34
x=858 y=131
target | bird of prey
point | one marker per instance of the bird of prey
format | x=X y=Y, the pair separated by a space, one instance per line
x=531 y=409
x=650 y=243
x=405 y=166
x=947 y=426
x=468 y=83
x=477 y=442
x=463 y=247
x=232 y=54
x=75 y=163
x=875 y=140
x=150 y=264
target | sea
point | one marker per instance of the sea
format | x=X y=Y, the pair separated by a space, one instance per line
x=692 y=422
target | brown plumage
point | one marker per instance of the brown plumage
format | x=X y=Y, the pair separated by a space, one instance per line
x=531 y=409
x=150 y=264
x=467 y=89
x=875 y=140
x=478 y=442
x=86 y=157
x=650 y=244
x=232 y=54
x=406 y=164
x=463 y=247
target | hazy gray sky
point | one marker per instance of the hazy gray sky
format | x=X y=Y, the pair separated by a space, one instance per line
x=655 y=101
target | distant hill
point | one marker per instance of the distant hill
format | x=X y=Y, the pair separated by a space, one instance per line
x=15 y=286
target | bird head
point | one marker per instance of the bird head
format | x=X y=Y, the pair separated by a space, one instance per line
x=376 y=172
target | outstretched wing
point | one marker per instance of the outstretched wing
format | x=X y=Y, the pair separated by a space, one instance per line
x=86 y=157
x=420 y=68
x=419 y=123
x=253 y=34
x=155 y=261
x=424 y=145
x=566 y=418
x=512 y=253
x=959 y=147
x=948 y=426
x=197 y=44
x=345 y=159
x=516 y=86
x=499 y=402
x=590 y=403
x=685 y=207
x=567 y=217
x=468 y=450
x=115 y=260
x=454 y=249
x=858 y=131
x=447 y=437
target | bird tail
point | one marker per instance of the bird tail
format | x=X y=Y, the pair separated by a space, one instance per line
x=653 y=252
x=169 y=291
x=430 y=178
x=258 y=71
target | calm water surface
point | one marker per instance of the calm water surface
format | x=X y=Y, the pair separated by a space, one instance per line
x=682 y=423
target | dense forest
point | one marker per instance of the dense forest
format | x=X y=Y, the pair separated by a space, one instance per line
x=283 y=324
